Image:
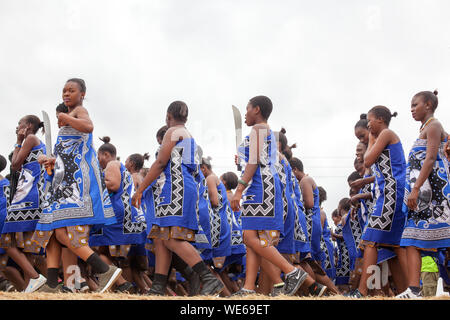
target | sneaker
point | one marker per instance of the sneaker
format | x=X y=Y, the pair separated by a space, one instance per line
x=46 y=288
x=6 y=286
x=294 y=281
x=66 y=289
x=156 y=290
x=210 y=285
x=35 y=284
x=243 y=292
x=126 y=287
x=318 y=290
x=277 y=290
x=349 y=294
x=83 y=287
x=107 y=279
x=356 y=294
x=408 y=294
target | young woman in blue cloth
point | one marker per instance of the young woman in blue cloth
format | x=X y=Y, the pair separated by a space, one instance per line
x=116 y=240
x=27 y=197
x=427 y=199
x=77 y=198
x=262 y=211
x=175 y=222
x=385 y=224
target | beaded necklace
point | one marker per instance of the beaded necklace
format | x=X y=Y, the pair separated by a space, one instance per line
x=422 y=127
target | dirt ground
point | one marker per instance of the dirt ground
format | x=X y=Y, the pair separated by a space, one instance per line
x=115 y=296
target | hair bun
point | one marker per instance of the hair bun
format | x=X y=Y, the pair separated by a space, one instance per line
x=363 y=116
x=435 y=92
x=394 y=114
x=283 y=130
x=105 y=139
x=146 y=156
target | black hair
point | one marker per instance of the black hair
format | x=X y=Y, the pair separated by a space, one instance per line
x=345 y=204
x=80 y=83
x=353 y=176
x=322 y=194
x=107 y=146
x=281 y=138
x=178 y=110
x=138 y=160
x=264 y=104
x=62 y=108
x=35 y=122
x=429 y=96
x=382 y=112
x=161 y=132
x=296 y=164
x=3 y=163
x=207 y=162
x=335 y=213
x=230 y=180
x=362 y=122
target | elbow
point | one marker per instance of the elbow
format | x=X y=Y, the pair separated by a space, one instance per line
x=309 y=204
x=90 y=129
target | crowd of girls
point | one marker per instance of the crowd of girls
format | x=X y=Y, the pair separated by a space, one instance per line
x=79 y=220
x=398 y=208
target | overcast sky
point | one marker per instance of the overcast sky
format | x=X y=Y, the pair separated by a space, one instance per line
x=322 y=63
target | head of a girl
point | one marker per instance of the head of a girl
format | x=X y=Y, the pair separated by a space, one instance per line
x=106 y=153
x=258 y=110
x=206 y=166
x=361 y=130
x=297 y=168
x=361 y=149
x=378 y=118
x=160 y=134
x=177 y=113
x=336 y=217
x=230 y=180
x=281 y=140
x=73 y=92
x=31 y=123
x=351 y=178
x=344 y=206
x=61 y=108
x=423 y=105
x=135 y=162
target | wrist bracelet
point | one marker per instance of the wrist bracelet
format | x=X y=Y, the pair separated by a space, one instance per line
x=240 y=181
x=17 y=145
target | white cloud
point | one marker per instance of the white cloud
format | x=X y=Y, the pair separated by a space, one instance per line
x=322 y=64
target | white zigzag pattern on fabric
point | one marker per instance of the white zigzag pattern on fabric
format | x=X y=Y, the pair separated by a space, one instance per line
x=28 y=215
x=269 y=197
x=384 y=222
x=176 y=205
x=128 y=225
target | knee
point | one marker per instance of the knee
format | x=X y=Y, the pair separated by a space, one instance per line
x=61 y=236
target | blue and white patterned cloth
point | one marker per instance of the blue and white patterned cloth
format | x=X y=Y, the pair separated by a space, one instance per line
x=429 y=226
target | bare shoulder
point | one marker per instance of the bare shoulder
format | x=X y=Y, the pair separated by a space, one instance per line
x=177 y=133
x=115 y=164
